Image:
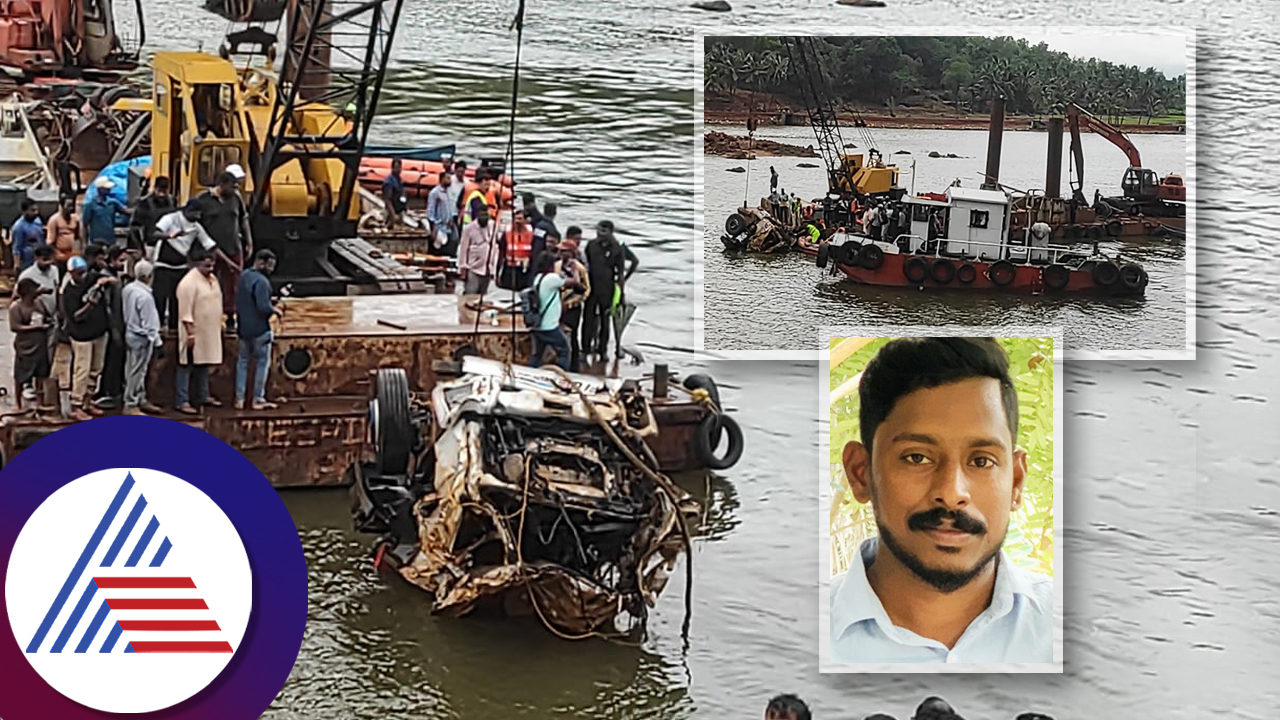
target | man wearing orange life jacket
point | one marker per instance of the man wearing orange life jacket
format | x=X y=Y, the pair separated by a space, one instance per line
x=517 y=253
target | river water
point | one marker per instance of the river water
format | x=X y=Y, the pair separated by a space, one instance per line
x=780 y=302
x=1170 y=533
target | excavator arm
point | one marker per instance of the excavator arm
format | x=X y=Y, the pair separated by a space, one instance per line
x=1079 y=116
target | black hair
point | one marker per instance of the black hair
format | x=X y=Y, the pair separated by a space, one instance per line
x=161 y=183
x=908 y=364
x=459 y=164
x=572 y=230
x=26 y=286
x=546 y=261
x=92 y=252
x=444 y=174
x=44 y=251
x=114 y=253
x=27 y=204
x=263 y=255
x=197 y=253
x=787 y=706
x=549 y=210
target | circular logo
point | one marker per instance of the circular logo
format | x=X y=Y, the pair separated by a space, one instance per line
x=148 y=567
x=153 y=568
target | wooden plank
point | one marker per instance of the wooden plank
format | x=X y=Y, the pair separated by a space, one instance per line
x=846 y=348
x=314 y=314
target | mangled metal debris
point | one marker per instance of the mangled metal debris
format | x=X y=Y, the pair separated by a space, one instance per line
x=534 y=493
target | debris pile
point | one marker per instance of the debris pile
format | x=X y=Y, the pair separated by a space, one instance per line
x=740 y=147
x=540 y=497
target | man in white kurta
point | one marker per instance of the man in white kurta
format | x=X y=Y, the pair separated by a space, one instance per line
x=199 y=333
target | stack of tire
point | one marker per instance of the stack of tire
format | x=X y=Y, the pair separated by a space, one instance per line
x=1129 y=279
x=852 y=254
x=1095 y=231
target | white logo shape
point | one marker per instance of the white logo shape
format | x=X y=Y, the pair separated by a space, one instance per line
x=129 y=590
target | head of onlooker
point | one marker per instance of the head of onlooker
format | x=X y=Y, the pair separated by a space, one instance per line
x=191 y=211
x=96 y=256
x=30 y=211
x=117 y=259
x=236 y=172
x=445 y=179
x=67 y=207
x=77 y=268
x=44 y=257
x=396 y=166
x=573 y=233
x=160 y=188
x=264 y=261
x=27 y=289
x=226 y=184
x=545 y=263
x=201 y=259
x=549 y=211
x=144 y=272
x=460 y=169
x=787 y=707
x=568 y=249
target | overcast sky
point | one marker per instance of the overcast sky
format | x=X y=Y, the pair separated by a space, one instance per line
x=1166 y=53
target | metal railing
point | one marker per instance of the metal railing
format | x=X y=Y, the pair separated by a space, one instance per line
x=1056 y=251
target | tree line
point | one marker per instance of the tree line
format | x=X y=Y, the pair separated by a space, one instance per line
x=964 y=72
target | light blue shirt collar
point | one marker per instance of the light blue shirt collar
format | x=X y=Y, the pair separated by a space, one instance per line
x=853 y=601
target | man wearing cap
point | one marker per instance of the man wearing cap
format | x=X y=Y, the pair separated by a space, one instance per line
x=577 y=290
x=84 y=305
x=225 y=218
x=175 y=235
x=99 y=214
x=607 y=261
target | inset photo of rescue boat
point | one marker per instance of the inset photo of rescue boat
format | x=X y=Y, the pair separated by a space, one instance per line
x=987 y=179
x=940 y=499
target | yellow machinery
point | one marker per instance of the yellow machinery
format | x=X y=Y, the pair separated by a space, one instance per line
x=875 y=179
x=209 y=114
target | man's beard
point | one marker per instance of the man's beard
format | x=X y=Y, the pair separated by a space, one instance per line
x=945 y=581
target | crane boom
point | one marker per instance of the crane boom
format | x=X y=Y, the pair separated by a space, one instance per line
x=806 y=70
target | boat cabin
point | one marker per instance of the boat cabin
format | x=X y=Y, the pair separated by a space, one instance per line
x=975 y=225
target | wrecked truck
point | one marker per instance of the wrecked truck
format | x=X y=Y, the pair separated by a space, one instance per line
x=523 y=491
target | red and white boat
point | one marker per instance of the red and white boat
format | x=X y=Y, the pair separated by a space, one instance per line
x=974 y=251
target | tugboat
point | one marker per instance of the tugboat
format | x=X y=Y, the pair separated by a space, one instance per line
x=972 y=249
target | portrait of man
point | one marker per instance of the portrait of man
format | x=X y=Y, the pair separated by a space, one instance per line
x=939 y=464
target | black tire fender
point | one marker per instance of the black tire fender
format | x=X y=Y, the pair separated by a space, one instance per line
x=942 y=271
x=915 y=269
x=1002 y=272
x=707 y=439
x=1105 y=274
x=1055 y=277
x=824 y=253
x=849 y=253
x=871 y=257
x=1114 y=228
x=966 y=273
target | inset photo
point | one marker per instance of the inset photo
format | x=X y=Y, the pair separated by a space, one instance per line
x=990 y=180
x=941 y=504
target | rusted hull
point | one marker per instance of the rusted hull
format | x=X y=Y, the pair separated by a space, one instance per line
x=321 y=427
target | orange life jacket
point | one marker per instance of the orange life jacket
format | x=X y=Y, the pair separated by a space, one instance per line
x=519 y=246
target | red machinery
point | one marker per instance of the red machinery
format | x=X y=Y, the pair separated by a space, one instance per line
x=1143 y=191
x=64 y=38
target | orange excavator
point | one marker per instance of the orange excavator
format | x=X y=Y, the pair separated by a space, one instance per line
x=1144 y=192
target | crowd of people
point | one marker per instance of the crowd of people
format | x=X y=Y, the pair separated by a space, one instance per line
x=578 y=288
x=108 y=298
x=791 y=707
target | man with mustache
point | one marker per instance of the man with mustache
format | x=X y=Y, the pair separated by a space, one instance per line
x=939 y=464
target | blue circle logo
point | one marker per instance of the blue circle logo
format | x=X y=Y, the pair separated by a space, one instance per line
x=148 y=567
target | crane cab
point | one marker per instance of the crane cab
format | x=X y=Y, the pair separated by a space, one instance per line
x=198 y=122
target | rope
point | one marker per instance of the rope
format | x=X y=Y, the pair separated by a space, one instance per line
x=510 y=161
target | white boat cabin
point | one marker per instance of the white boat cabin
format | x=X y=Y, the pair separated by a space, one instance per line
x=974 y=225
